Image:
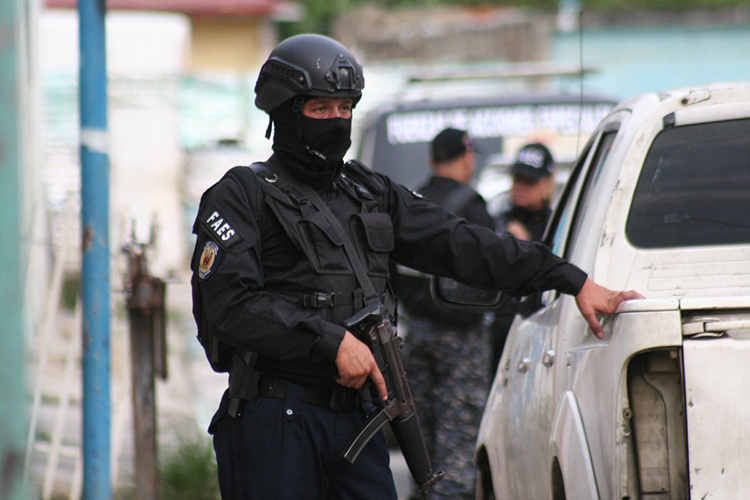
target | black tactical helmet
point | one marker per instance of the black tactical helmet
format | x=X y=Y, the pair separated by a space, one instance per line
x=312 y=65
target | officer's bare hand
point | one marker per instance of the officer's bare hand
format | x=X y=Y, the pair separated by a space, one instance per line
x=355 y=363
x=518 y=230
x=594 y=299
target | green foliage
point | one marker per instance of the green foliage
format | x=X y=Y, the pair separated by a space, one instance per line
x=188 y=472
x=318 y=15
x=70 y=289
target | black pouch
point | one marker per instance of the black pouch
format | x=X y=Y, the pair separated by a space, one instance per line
x=376 y=230
x=325 y=249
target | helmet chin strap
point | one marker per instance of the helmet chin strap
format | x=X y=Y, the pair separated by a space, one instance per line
x=297 y=104
x=269 y=128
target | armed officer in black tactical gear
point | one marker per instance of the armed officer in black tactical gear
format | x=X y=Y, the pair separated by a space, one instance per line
x=272 y=285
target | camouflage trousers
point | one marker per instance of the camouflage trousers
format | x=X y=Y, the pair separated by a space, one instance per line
x=448 y=370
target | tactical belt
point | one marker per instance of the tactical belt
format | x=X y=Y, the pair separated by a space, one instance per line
x=337 y=399
x=247 y=384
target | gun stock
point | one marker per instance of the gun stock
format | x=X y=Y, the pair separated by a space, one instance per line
x=372 y=425
x=376 y=330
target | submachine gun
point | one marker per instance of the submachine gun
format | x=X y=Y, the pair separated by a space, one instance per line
x=374 y=328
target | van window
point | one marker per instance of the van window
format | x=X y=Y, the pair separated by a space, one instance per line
x=694 y=188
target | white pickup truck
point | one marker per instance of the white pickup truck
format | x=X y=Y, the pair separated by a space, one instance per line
x=658 y=202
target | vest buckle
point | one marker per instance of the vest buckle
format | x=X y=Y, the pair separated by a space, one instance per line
x=318 y=300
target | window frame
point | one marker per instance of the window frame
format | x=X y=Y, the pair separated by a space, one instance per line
x=568 y=213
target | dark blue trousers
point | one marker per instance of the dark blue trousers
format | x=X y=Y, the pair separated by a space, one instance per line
x=285 y=449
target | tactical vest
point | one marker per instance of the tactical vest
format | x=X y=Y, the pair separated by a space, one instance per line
x=323 y=283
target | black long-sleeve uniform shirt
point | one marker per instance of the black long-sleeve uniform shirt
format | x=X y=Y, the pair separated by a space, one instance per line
x=413 y=289
x=246 y=313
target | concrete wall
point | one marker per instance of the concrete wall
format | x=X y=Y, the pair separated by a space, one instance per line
x=445 y=33
x=227 y=44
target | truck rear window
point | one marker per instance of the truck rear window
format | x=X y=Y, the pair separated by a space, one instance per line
x=694 y=188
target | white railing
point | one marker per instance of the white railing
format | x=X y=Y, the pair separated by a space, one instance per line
x=55 y=354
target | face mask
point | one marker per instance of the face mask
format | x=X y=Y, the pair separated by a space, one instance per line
x=328 y=139
x=314 y=149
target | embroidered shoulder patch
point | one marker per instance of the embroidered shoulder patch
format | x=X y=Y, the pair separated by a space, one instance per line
x=221 y=227
x=208 y=259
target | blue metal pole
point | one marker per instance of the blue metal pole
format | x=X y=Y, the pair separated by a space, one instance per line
x=12 y=354
x=95 y=249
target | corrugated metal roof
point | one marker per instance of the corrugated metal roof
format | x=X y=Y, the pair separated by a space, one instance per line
x=250 y=8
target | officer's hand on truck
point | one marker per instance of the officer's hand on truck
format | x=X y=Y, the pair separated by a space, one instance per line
x=594 y=299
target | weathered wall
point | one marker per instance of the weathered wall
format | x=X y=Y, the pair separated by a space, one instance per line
x=445 y=34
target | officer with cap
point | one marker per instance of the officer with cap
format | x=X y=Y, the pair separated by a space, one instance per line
x=272 y=284
x=531 y=193
x=530 y=197
x=446 y=355
x=452 y=161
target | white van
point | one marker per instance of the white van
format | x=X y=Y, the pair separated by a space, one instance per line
x=396 y=136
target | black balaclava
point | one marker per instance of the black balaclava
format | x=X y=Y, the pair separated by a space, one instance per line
x=312 y=148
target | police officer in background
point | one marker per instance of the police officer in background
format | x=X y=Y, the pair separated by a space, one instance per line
x=531 y=193
x=272 y=285
x=530 y=197
x=446 y=355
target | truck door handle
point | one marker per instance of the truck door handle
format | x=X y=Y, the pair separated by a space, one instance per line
x=548 y=359
x=523 y=365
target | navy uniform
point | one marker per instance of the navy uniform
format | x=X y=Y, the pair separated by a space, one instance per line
x=271 y=283
x=446 y=355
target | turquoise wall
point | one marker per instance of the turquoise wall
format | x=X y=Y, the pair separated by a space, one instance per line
x=636 y=60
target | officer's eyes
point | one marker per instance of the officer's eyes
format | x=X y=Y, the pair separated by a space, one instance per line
x=323 y=109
